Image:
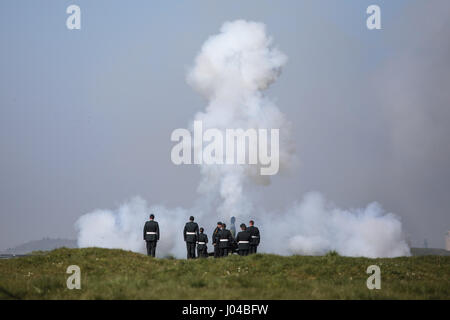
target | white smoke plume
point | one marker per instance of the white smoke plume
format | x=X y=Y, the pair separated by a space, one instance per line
x=232 y=70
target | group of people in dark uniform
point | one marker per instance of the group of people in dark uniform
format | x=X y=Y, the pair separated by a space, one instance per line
x=246 y=241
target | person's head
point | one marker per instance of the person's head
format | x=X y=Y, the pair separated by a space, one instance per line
x=152 y=216
x=233 y=219
x=201 y=230
x=251 y=222
x=224 y=225
x=243 y=227
x=191 y=218
x=219 y=225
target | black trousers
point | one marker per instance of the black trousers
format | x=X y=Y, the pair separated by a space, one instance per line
x=223 y=252
x=202 y=252
x=151 y=248
x=190 y=247
x=253 y=249
x=243 y=252
x=216 y=251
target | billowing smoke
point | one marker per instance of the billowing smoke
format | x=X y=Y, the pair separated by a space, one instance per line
x=231 y=71
x=314 y=226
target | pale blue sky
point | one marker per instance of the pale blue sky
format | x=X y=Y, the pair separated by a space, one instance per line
x=86 y=115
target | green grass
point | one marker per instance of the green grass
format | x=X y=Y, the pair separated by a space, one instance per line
x=118 y=274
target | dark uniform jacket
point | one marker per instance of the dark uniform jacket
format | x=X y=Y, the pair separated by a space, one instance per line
x=255 y=236
x=151 y=231
x=216 y=235
x=225 y=238
x=243 y=239
x=202 y=241
x=190 y=232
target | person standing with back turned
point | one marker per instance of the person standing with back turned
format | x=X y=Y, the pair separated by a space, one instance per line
x=151 y=235
x=243 y=239
x=190 y=234
x=255 y=237
x=215 y=239
x=225 y=241
x=202 y=244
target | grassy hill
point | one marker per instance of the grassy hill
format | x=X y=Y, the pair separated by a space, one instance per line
x=118 y=274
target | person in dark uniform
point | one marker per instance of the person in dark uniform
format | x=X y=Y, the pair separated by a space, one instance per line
x=151 y=235
x=190 y=235
x=255 y=237
x=225 y=241
x=243 y=239
x=202 y=248
x=215 y=239
x=233 y=227
x=231 y=244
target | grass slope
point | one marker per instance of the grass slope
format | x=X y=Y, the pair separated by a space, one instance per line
x=118 y=274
